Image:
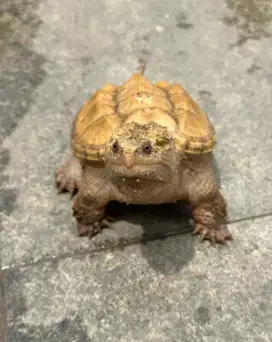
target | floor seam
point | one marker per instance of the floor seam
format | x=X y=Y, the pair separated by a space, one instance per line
x=121 y=245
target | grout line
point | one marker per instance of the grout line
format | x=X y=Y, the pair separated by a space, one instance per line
x=254 y=217
x=120 y=245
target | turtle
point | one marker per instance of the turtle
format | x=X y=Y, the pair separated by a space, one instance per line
x=144 y=143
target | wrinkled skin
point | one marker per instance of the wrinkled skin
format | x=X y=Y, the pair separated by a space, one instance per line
x=142 y=166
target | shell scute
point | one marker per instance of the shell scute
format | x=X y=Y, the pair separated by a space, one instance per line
x=139 y=93
x=153 y=114
x=94 y=123
x=193 y=122
x=143 y=101
x=138 y=84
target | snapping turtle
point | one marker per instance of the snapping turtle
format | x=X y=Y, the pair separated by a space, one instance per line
x=143 y=143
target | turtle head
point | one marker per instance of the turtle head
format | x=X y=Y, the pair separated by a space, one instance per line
x=141 y=152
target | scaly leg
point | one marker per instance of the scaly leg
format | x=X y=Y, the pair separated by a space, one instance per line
x=90 y=203
x=210 y=219
x=68 y=175
x=209 y=208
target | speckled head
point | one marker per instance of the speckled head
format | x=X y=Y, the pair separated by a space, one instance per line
x=141 y=151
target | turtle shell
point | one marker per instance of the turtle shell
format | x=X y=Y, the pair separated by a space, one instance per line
x=139 y=100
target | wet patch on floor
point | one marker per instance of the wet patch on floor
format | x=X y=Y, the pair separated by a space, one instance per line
x=251 y=18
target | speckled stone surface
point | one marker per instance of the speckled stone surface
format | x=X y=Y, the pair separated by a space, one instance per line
x=57 y=53
x=168 y=290
x=53 y=55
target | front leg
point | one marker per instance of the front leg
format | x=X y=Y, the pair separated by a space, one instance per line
x=210 y=216
x=209 y=208
x=90 y=203
x=68 y=175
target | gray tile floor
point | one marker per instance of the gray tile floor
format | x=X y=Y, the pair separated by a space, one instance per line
x=55 y=286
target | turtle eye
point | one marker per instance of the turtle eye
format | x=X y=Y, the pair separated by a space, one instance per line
x=115 y=147
x=147 y=148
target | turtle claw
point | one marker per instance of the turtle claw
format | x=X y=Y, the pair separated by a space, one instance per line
x=215 y=235
x=65 y=185
x=68 y=178
x=94 y=228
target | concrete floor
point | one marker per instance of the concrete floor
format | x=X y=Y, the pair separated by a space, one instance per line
x=135 y=282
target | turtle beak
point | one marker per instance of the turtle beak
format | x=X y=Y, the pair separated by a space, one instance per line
x=129 y=159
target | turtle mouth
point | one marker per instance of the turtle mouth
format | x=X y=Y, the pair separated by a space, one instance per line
x=138 y=176
x=133 y=182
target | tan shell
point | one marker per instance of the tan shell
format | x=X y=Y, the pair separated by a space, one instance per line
x=141 y=101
